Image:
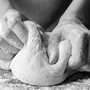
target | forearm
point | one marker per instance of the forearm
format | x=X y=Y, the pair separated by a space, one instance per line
x=4 y=6
x=78 y=10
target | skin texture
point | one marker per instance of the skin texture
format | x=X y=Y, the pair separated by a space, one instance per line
x=31 y=64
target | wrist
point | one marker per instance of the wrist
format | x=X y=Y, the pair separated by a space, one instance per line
x=78 y=10
x=69 y=20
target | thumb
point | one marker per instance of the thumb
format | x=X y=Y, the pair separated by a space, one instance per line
x=53 y=49
x=54 y=39
x=64 y=55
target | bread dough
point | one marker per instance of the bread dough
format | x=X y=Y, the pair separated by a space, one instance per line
x=31 y=64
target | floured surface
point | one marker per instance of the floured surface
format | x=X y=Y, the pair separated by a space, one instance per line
x=79 y=81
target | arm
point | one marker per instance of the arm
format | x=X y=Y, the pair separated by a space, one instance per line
x=78 y=10
x=4 y=6
x=12 y=33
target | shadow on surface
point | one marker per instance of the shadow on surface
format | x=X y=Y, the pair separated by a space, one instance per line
x=77 y=76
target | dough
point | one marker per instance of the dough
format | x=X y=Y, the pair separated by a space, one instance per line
x=31 y=64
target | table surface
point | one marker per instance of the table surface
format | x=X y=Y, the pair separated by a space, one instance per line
x=78 y=81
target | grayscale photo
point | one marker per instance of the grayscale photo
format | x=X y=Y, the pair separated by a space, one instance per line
x=44 y=44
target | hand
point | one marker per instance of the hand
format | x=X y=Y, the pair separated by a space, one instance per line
x=78 y=36
x=12 y=37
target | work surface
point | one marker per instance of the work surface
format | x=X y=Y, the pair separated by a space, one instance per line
x=79 y=81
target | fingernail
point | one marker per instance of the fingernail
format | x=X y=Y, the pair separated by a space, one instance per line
x=53 y=59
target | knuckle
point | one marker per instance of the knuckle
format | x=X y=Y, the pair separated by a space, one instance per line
x=81 y=35
x=53 y=40
x=4 y=30
x=11 y=17
x=75 y=63
x=12 y=13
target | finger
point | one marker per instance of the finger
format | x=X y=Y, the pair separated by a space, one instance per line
x=9 y=36
x=64 y=55
x=85 y=67
x=53 y=42
x=11 y=16
x=79 y=52
x=13 y=40
x=20 y=30
x=15 y=24
x=7 y=47
x=53 y=49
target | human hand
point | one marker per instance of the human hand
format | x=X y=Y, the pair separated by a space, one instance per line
x=12 y=37
x=78 y=36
